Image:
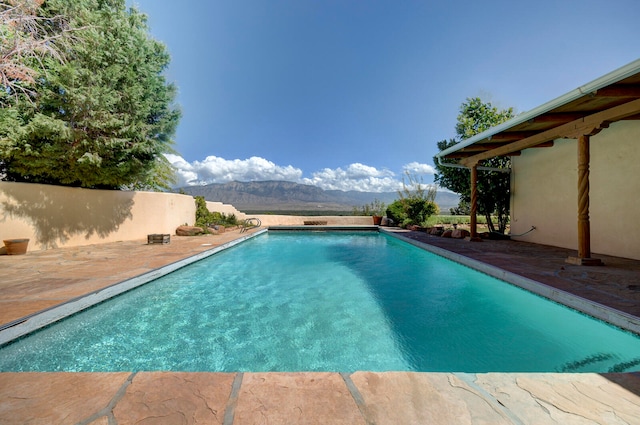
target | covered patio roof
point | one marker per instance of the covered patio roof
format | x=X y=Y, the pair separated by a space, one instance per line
x=585 y=110
x=579 y=114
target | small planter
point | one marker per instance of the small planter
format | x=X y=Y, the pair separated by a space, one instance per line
x=158 y=238
x=16 y=246
x=377 y=219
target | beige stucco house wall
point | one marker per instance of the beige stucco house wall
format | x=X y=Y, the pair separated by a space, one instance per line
x=544 y=192
x=55 y=216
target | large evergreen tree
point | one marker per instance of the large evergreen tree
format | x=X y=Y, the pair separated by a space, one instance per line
x=103 y=117
x=475 y=117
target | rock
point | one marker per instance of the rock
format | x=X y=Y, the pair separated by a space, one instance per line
x=189 y=231
x=447 y=233
x=436 y=230
x=459 y=233
x=216 y=230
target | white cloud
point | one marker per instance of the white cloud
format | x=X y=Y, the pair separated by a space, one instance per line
x=356 y=176
x=219 y=170
x=185 y=173
x=420 y=169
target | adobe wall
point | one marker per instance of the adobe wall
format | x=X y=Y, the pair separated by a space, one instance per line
x=226 y=209
x=56 y=216
x=291 y=220
x=544 y=185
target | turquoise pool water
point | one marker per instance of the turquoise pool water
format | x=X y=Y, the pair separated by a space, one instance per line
x=326 y=302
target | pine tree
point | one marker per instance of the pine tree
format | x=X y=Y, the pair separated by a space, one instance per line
x=104 y=117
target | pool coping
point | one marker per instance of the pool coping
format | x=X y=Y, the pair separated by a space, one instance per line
x=325 y=228
x=602 y=312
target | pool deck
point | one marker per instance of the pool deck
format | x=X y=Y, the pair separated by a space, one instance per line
x=42 y=279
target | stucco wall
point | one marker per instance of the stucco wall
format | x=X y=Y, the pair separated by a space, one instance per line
x=544 y=192
x=290 y=220
x=54 y=216
x=226 y=209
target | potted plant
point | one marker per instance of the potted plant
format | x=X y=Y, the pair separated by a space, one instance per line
x=376 y=209
x=16 y=246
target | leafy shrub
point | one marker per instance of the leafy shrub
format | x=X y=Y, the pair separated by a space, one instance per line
x=206 y=218
x=396 y=212
x=416 y=204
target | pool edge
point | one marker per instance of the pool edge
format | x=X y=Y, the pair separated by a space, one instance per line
x=602 y=312
x=20 y=327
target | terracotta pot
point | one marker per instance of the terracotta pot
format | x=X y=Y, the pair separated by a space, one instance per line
x=16 y=246
x=377 y=220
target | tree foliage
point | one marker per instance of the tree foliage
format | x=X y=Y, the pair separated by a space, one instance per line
x=475 y=117
x=104 y=117
x=25 y=40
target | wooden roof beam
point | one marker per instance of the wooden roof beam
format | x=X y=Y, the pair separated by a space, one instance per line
x=590 y=125
x=620 y=90
x=510 y=136
x=561 y=117
x=482 y=147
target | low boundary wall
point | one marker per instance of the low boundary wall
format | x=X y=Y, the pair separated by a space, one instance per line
x=57 y=216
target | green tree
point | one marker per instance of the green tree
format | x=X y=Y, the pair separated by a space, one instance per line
x=26 y=38
x=475 y=117
x=104 y=117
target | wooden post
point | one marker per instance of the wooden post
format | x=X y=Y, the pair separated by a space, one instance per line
x=584 y=226
x=474 y=204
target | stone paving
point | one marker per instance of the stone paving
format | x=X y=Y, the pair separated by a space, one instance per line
x=318 y=398
x=41 y=279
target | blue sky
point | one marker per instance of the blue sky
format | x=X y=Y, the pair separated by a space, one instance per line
x=348 y=94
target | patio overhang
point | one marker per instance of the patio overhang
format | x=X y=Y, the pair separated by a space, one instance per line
x=579 y=114
x=591 y=107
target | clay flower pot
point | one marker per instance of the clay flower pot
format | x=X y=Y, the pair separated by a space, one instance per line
x=16 y=246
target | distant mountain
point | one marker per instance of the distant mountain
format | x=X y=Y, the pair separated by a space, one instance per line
x=289 y=196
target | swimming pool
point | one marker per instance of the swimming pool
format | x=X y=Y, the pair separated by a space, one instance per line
x=326 y=302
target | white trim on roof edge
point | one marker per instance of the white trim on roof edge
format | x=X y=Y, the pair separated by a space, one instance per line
x=607 y=79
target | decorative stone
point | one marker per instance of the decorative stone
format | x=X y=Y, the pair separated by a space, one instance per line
x=459 y=233
x=216 y=230
x=189 y=231
x=447 y=233
x=436 y=231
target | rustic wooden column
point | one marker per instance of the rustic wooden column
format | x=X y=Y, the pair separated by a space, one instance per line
x=474 y=203
x=584 y=225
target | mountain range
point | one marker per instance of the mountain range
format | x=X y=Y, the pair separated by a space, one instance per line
x=262 y=196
